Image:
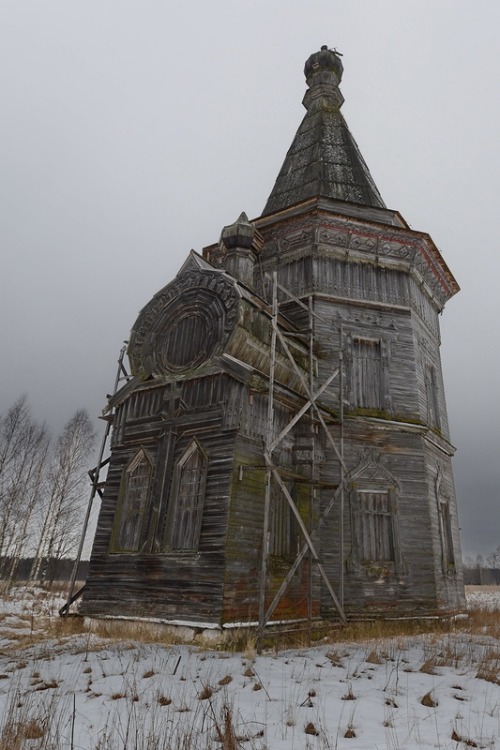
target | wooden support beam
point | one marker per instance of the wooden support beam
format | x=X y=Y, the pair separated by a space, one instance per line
x=289 y=576
x=272 y=471
x=95 y=490
x=309 y=543
x=269 y=437
x=301 y=412
x=306 y=388
x=293 y=297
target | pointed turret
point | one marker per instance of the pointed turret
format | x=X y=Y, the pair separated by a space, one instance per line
x=324 y=159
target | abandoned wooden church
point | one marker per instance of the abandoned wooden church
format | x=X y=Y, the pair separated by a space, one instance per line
x=280 y=450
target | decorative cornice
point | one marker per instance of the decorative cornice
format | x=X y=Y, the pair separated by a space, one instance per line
x=347 y=239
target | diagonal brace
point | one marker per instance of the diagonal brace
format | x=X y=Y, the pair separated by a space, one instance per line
x=311 y=399
x=286 y=581
x=302 y=411
x=309 y=543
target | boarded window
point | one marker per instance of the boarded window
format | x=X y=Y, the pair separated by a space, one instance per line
x=376 y=527
x=446 y=534
x=135 y=489
x=282 y=530
x=187 y=500
x=445 y=523
x=432 y=398
x=366 y=374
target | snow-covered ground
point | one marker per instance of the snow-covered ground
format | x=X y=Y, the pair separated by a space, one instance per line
x=82 y=691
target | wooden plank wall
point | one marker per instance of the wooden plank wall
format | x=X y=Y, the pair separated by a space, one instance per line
x=181 y=585
x=359 y=298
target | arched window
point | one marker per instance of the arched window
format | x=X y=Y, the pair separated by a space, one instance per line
x=132 y=511
x=186 y=502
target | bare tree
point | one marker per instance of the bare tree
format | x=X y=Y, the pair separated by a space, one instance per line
x=66 y=481
x=24 y=446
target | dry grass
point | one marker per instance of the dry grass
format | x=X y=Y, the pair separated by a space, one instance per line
x=205 y=693
x=15 y=734
x=489 y=667
x=162 y=700
x=374 y=657
x=482 y=622
x=225 y=730
x=466 y=741
x=135 y=630
x=428 y=700
x=311 y=729
x=378 y=643
x=349 y=733
x=429 y=666
x=349 y=695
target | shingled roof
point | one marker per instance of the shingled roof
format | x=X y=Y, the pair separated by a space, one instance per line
x=324 y=159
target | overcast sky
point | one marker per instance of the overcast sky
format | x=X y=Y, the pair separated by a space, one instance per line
x=134 y=130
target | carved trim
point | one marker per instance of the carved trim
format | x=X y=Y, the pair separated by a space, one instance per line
x=199 y=307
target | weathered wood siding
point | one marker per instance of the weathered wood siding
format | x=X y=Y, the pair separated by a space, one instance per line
x=378 y=290
x=157 y=582
x=415 y=582
x=245 y=539
x=220 y=582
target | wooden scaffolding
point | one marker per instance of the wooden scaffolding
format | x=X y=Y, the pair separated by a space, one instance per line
x=273 y=473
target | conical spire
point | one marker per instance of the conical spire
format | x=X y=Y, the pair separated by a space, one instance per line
x=324 y=159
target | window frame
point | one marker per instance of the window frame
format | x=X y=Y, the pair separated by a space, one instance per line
x=376 y=527
x=448 y=556
x=283 y=524
x=176 y=508
x=432 y=393
x=367 y=384
x=371 y=477
x=130 y=505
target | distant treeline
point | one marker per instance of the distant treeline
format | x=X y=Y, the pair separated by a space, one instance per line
x=479 y=576
x=53 y=569
x=483 y=571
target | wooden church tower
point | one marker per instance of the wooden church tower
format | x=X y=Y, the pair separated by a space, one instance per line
x=281 y=449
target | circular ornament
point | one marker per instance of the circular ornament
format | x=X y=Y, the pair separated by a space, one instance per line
x=185 y=325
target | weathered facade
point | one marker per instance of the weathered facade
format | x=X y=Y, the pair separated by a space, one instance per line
x=281 y=450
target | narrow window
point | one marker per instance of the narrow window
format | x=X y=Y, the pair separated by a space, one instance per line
x=135 y=489
x=187 y=499
x=432 y=398
x=366 y=374
x=445 y=525
x=282 y=531
x=446 y=534
x=377 y=536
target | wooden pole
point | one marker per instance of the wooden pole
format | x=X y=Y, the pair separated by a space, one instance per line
x=284 y=432
x=95 y=486
x=264 y=616
x=312 y=494
x=308 y=539
x=342 y=476
x=289 y=576
x=315 y=406
x=267 y=497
